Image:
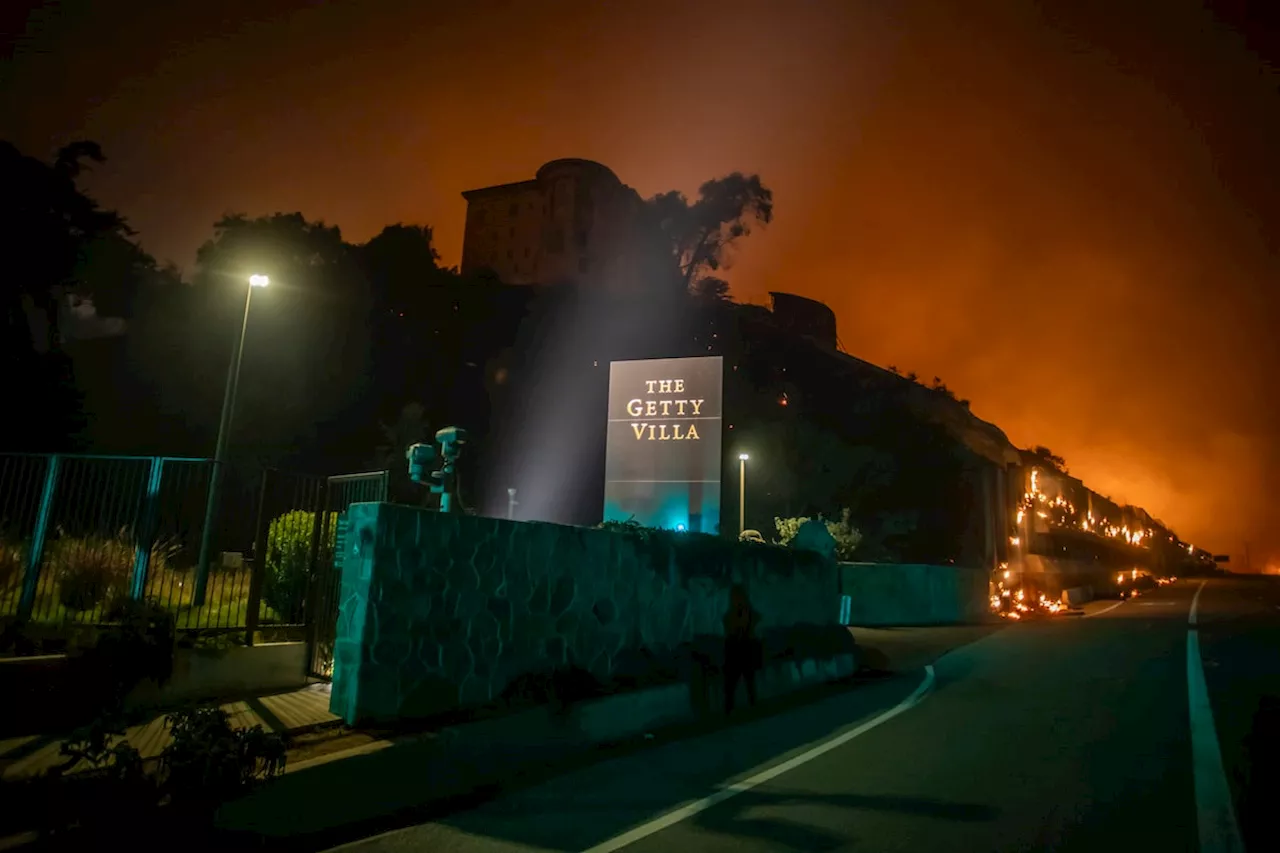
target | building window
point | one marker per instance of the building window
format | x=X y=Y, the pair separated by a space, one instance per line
x=583 y=264
x=512 y=231
x=515 y=208
x=526 y=251
x=510 y=254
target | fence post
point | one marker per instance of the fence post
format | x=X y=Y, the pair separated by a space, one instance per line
x=206 y=534
x=147 y=530
x=35 y=555
x=253 y=607
x=313 y=559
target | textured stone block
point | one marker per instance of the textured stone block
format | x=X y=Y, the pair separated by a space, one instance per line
x=440 y=609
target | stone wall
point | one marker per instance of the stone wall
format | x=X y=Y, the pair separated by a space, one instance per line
x=438 y=611
x=893 y=594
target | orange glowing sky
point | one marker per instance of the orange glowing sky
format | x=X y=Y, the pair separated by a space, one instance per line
x=1069 y=216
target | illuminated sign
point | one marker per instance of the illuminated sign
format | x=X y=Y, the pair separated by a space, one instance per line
x=662 y=464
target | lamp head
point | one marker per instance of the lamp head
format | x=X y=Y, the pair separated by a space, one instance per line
x=258 y=280
x=744 y=457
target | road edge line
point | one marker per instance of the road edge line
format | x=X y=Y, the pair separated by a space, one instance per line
x=688 y=810
x=1216 y=823
x=1103 y=610
x=1195 y=604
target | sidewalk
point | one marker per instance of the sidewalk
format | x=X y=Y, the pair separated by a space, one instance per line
x=292 y=713
x=896 y=650
x=378 y=784
x=370 y=782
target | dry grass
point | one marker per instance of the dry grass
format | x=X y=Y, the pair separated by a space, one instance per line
x=84 y=577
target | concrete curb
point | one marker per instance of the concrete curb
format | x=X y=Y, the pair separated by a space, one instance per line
x=614 y=718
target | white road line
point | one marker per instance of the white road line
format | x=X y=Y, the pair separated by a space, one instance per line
x=687 y=811
x=1215 y=813
x=1195 y=603
x=1103 y=610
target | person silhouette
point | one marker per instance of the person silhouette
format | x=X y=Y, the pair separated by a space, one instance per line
x=741 y=648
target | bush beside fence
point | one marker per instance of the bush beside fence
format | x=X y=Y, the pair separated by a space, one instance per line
x=107 y=530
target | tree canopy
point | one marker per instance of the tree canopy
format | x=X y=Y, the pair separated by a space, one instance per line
x=701 y=234
x=1048 y=458
x=49 y=231
x=56 y=244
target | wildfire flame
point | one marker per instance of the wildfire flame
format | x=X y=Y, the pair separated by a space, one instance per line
x=1015 y=603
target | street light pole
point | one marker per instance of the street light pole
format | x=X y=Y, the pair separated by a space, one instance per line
x=220 y=449
x=742 y=493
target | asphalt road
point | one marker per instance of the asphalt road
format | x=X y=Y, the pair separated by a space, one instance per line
x=1070 y=734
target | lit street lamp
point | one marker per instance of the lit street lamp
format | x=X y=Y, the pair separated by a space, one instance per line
x=220 y=450
x=742 y=493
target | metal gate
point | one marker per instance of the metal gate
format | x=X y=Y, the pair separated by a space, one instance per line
x=341 y=492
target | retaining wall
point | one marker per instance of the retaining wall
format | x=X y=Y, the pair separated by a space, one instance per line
x=439 y=611
x=896 y=594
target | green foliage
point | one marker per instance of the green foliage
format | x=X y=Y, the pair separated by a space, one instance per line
x=788 y=528
x=288 y=560
x=629 y=526
x=13 y=561
x=208 y=761
x=847 y=537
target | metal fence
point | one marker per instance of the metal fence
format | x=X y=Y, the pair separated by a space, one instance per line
x=81 y=535
x=322 y=602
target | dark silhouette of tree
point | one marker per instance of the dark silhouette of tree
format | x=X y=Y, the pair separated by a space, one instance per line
x=1048 y=458
x=307 y=345
x=399 y=263
x=409 y=428
x=699 y=235
x=46 y=226
x=711 y=289
x=48 y=231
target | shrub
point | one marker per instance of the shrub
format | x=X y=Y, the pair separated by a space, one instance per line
x=209 y=762
x=92 y=570
x=89 y=569
x=139 y=646
x=560 y=687
x=101 y=783
x=13 y=555
x=288 y=558
x=847 y=537
x=104 y=787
